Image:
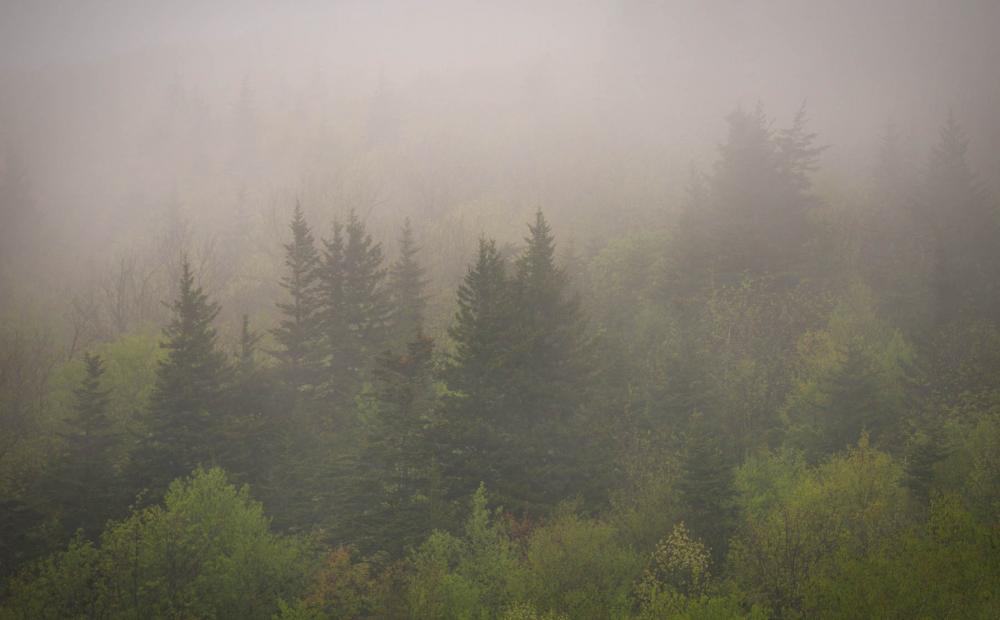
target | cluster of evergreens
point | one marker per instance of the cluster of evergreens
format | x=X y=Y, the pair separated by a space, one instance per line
x=776 y=406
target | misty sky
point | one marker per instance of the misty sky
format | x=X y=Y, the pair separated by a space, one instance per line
x=115 y=106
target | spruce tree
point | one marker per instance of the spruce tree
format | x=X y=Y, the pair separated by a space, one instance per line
x=406 y=289
x=960 y=227
x=184 y=420
x=397 y=465
x=86 y=479
x=354 y=309
x=706 y=487
x=553 y=357
x=298 y=331
x=479 y=375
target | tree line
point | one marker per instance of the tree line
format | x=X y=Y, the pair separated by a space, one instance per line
x=778 y=406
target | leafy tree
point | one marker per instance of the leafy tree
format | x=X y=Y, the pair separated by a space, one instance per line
x=185 y=409
x=207 y=552
x=578 y=567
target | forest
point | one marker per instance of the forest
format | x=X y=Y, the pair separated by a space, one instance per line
x=771 y=393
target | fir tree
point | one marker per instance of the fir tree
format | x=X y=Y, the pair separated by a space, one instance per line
x=960 y=228
x=298 y=332
x=478 y=374
x=706 y=485
x=86 y=484
x=353 y=308
x=184 y=428
x=397 y=465
x=406 y=289
x=553 y=354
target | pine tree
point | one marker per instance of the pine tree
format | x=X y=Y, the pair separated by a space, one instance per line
x=759 y=197
x=478 y=374
x=185 y=424
x=961 y=230
x=354 y=309
x=298 y=332
x=553 y=357
x=706 y=485
x=406 y=289
x=397 y=464
x=86 y=482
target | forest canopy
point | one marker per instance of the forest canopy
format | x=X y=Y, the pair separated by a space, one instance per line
x=458 y=349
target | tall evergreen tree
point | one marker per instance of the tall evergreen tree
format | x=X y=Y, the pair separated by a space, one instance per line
x=397 y=466
x=960 y=224
x=553 y=357
x=759 y=197
x=298 y=331
x=706 y=486
x=478 y=374
x=184 y=420
x=406 y=289
x=86 y=479
x=354 y=309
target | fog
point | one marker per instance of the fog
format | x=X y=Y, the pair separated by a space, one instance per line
x=464 y=115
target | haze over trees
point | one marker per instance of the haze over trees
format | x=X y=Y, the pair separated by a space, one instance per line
x=501 y=334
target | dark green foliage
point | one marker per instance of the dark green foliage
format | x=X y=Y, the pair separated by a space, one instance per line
x=705 y=486
x=959 y=226
x=354 y=309
x=405 y=288
x=86 y=482
x=396 y=471
x=478 y=372
x=518 y=376
x=298 y=331
x=185 y=419
x=925 y=450
x=758 y=198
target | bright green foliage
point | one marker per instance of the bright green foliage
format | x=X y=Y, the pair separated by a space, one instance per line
x=852 y=379
x=206 y=553
x=579 y=567
x=944 y=568
x=298 y=331
x=853 y=505
x=467 y=577
x=185 y=408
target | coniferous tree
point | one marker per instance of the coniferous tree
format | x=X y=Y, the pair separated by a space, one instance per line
x=553 y=355
x=706 y=485
x=406 y=289
x=86 y=480
x=298 y=332
x=759 y=198
x=397 y=469
x=184 y=420
x=354 y=309
x=479 y=374
x=960 y=227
